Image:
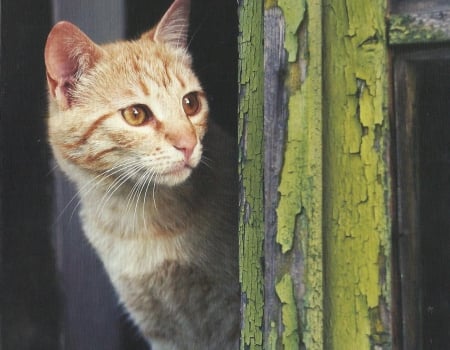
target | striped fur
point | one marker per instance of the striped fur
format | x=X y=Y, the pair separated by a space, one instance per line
x=158 y=200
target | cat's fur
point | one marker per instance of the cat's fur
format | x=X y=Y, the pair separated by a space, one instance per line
x=158 y=200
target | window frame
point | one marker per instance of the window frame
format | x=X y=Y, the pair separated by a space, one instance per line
x=407 y=278
x=415 y=37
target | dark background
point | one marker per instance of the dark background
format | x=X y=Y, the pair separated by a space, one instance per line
x=41 y=298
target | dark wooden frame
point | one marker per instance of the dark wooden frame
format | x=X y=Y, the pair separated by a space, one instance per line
x=408 y=275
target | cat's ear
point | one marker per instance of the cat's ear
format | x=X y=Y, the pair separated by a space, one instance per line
x=173 y=28
x=68 y=54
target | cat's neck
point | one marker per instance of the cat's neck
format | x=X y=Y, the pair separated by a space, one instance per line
x=133 y=211
x=143 y=229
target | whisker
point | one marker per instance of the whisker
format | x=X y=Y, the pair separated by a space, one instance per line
x=89 y=186
x=207 y=162
x=52 y=170
x=154 y=192
x=118 y=185
x=136 y=195
x=194 y=33
x=148 y=182
x=132 y=193
x=129 y=171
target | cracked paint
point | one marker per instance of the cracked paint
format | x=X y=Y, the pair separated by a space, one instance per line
x=291 y=332
x=299 y=211
x=357 y=221
x=348 y=156
x=251 y=223
x=294 y=12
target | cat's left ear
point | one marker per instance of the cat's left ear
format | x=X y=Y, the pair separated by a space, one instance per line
x=69 y=53
x=173 y=28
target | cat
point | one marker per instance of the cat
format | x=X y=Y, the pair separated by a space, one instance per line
x=128 y=124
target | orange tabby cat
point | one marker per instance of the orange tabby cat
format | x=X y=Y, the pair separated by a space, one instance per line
x=128 y=124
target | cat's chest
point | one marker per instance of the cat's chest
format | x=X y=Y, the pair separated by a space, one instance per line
x=135 y=256
x=129 y=245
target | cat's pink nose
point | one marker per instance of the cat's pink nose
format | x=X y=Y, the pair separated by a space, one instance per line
x=187 y=151
x=184 y=139
x=186 y=145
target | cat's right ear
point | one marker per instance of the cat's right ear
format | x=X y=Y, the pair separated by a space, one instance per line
x=173 y=27
x=68 y=54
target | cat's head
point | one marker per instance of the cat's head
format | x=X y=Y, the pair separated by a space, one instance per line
x=132 y=109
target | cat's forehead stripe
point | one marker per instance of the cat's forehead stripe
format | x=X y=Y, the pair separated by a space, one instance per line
x=165 y=79
x=180 y=79
x=144 y=87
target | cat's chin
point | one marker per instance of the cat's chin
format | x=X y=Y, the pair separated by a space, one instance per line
x=175 y=176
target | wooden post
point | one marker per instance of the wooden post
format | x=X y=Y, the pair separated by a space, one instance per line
x=293 y=175
x=357 y=223
x=251 y=202
x=326 y=258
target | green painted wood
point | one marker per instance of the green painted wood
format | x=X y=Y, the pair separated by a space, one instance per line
x=251 y=227
x=297 y=253
x=356 y=180
x=293 y=175
x=326 y=280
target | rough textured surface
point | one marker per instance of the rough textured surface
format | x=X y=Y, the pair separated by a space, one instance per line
x=291 y=333
x=300 y=207
x=251 y=227
x=418 y=28
x=356 y=196
x=325 y=164
x=275 y=117
x=293 y=174
x=293 y=12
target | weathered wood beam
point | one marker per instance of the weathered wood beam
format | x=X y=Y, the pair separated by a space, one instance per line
x=356 y=176
x=251 y=153
x=420 y=28
x=293 y=175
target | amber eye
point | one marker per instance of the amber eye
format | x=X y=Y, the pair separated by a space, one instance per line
x=136 y=115
x=191 y=104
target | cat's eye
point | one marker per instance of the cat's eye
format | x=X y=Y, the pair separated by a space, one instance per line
x=136 y=115
x=191 y=104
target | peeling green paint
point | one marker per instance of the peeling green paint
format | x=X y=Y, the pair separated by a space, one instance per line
x=251 y=224
x=285 y=291
x=299 y=211
x=273 y=336
x=270 y=3
x=290 y=201
x=356 y=213
x=294 y=11
x=348 y=156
